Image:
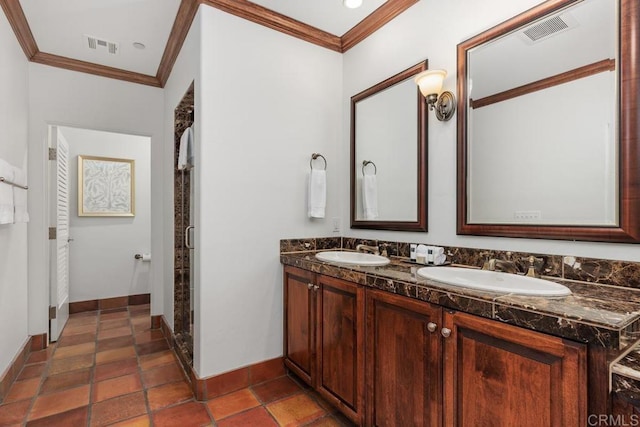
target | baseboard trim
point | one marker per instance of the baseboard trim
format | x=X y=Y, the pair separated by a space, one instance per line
x=33 y=343
x=217 y=385
x=108 y=303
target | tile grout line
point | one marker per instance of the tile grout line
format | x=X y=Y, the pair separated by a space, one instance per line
x=53 y=348
x=139 y=370
x=42 y=376
x=327 y=412
x=92 y=372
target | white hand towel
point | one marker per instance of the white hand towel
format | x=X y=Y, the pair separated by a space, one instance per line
x=440 y=259
x=20 y=197
x=370 y=196
x=6 y=193
x=438 y=256
x=436 y=250
x=317 y=193
x=185 y=152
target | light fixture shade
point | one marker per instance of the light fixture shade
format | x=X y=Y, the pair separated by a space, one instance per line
x=430 y=81
x=352 y=4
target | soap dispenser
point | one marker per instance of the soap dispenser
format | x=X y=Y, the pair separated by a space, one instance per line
x=412 y=252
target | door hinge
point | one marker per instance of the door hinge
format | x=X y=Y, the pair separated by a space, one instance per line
x=53 y=154
x=52 y=312
x=53 y=233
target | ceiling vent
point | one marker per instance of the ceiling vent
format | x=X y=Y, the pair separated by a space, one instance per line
x=548 y=28
x=98 y=44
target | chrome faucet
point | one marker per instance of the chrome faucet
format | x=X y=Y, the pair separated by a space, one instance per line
x=366 y=248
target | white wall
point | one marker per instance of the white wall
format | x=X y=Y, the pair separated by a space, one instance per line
x=13 y=237
x=185 y=71
x=267 y=102
x=431 y=29
x=101 y=255
x=74 y=99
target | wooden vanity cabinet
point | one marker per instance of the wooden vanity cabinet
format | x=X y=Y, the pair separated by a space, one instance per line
x=502 y=375
x=404 y=361
x=299 y=323
x=324 y=333
x=425 y=365
x=340 y=344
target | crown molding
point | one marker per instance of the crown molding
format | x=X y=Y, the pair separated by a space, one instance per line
x=15 y=15
x=18 y=21
x=184 y=18
x=186 y=13
x=91 y=68
x=374 y=22
x=276 y=21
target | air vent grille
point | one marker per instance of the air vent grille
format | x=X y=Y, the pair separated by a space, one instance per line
x=99 y=44
x=546 y=28
x=549 y=27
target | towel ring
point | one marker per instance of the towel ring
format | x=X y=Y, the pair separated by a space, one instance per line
x=315 y=156
x=369 y=162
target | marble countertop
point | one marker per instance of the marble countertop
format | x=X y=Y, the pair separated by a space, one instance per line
x=600 y=315
x=625 y=376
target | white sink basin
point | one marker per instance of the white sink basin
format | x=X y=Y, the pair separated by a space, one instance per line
x=494 y=281
x=352 y=258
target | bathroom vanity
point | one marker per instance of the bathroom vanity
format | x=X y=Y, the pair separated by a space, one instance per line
x=388 y=347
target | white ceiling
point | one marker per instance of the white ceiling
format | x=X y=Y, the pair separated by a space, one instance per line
x=328 y=15
x=59 y=26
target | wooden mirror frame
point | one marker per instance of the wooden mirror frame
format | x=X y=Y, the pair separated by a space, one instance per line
x=628 y=228
x=421 y=151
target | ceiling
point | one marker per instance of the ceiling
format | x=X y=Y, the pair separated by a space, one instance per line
x=54 y=32
x=58 y=27
x=328 y=15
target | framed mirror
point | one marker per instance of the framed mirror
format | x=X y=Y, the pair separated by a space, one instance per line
x=548 y=124
x=389 y=155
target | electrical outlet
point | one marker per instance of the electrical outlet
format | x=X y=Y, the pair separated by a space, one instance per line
x=527 y=215
x=336 y=225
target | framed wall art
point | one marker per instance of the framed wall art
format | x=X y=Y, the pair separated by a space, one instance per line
x=106 y=186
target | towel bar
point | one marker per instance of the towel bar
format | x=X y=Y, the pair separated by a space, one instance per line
x=315 y=156
x=6 y=181
x=369 y=162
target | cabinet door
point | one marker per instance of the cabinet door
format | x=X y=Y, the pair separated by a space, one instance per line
x=502 y=375
x=299 y=322
x=404 y=361
x=340 y=357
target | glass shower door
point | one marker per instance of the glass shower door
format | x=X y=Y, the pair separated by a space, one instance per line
x=183 y=236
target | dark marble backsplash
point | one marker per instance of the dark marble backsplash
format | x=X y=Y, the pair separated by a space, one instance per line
x=591 y=270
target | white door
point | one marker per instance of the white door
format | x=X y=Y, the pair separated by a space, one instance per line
x=59 y=277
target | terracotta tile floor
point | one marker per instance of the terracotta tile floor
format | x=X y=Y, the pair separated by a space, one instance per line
x=110 y=368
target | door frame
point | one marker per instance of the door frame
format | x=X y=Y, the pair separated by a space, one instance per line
x=38 y=227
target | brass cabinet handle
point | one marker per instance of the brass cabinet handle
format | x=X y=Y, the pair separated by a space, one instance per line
x=310 y=286
x=445 y=332
x=432 y=327
x=316 y=287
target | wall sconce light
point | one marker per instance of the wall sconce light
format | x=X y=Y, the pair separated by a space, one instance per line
x=352 y=4
x=430 y=84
